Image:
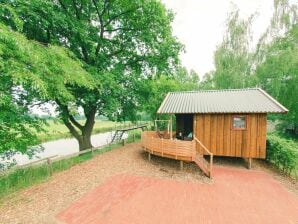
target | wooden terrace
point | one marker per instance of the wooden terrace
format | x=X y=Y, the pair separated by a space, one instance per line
x=170 y=147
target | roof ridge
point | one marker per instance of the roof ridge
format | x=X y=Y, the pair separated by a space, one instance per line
x=215 y=90
x=272 y=99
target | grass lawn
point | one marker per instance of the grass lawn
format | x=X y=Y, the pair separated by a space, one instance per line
x=57 y=130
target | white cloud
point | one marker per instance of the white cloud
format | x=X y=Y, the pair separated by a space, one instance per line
x=200 y=24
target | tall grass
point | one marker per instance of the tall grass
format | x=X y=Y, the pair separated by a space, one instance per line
x=25 y=177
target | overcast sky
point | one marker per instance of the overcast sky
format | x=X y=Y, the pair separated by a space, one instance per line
x=200 y=24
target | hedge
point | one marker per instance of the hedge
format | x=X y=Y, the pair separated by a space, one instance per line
x=282 y=152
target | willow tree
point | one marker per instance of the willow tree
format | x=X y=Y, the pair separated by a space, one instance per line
x=120 y=42
x=232 y=58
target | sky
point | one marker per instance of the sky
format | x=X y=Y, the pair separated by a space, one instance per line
x=200 y=25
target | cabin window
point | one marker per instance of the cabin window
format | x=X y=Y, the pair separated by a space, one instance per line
x=239 y=122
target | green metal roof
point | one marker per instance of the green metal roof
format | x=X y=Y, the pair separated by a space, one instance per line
x=253 y=100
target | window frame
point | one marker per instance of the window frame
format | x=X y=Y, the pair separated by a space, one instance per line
x=239 y=115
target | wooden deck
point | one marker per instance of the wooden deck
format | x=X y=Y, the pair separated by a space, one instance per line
x=178 y=149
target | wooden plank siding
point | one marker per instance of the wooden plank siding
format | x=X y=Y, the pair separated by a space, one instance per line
x=216 y=133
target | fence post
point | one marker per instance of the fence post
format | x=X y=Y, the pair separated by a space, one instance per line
x=134 y=137
x=49 y=162
x=123 y=142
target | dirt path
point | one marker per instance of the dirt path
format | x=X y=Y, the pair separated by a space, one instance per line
x=42 y=202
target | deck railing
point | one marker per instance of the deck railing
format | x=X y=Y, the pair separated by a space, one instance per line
x=171 y=148
x=179 y=150
x=201 y=161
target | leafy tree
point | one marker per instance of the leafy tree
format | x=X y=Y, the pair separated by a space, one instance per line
x=232 y=58
x=157 y=89
x=276 y=61
x=121 y=43
x=283 y=19
x=28 y=71
x=278 y=75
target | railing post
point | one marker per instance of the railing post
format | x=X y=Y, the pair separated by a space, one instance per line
x=162 y=147
x=211 y=165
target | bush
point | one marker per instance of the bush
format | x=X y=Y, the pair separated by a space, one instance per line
x=282 y=152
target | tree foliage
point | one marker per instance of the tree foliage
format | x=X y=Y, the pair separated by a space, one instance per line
x=30 y=71
x=121 y=43
x=156 y=89
x=232 y=58
x=278 y=74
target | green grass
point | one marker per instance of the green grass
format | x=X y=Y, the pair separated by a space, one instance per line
x=57 y=130
x=25 y=177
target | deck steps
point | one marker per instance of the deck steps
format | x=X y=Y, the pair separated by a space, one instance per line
x=202 y=164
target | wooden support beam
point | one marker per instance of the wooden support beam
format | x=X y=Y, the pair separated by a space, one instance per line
x=181 y=165
x=149 y=156
x=249 y=163
x=171 y=127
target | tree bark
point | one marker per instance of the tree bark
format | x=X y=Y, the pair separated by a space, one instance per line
x=85 y=142
x=82 y=133
x=85 y=138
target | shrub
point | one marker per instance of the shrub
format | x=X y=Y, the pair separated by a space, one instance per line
x=282 y=152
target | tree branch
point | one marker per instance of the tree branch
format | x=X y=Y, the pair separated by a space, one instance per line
x=69 y=117
x=121 y=28
x=72 y=130
x=99 y=15
x=76 y=9
x=63 y=6
x=90 y=120
x=119 y=15
x=76 y=123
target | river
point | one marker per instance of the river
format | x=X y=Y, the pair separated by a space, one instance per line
x=63 y=147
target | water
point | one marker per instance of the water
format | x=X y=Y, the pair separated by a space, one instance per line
x=63 y=147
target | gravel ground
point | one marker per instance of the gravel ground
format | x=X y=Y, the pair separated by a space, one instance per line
x=42 y=202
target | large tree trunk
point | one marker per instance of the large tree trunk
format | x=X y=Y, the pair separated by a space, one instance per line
x=85 y=142
x=82 y=133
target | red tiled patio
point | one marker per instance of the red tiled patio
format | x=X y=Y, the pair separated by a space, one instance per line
x=235 y=196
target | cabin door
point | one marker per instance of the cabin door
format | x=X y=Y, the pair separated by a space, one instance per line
x=184 y=126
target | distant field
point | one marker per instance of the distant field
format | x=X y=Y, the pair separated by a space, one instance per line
x=57 y=130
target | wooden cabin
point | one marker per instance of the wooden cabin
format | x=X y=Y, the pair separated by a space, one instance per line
x=229 y=122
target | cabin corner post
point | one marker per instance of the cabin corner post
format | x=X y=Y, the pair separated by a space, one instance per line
x=171 y=126
x=194 y=125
